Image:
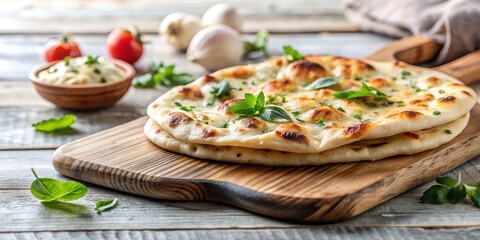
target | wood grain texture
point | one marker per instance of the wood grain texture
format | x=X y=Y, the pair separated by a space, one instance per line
x=127 y=161
x=18 y=133
x=22 y=212
x=351 y=233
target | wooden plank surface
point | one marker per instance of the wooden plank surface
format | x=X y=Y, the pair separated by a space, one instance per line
x=100 y=16
x=25 y=213
x=20 y=53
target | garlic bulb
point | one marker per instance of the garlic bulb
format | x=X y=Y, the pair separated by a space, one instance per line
x=223 y=13
x=178 y=29
x=216 y=47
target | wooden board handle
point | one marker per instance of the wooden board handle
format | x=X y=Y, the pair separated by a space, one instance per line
x=417 y=49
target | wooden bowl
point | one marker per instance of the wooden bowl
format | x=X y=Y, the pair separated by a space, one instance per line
x=87 y=96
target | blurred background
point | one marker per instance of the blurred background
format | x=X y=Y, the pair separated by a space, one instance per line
x=100 y=16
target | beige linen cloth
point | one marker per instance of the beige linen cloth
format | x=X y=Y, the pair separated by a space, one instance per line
x=453 y=23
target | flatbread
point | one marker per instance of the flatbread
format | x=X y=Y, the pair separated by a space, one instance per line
x=374 y=149
x=418 y=99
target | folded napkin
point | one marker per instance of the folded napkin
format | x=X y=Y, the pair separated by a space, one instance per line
x=453 y=23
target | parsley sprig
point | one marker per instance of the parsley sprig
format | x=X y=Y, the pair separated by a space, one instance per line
x=451 y=190
x=258 y=45
x=219 y=90
x=162 y=74
x=364 y=91
x=91 y=60
x=254 y=106
x=292 y=54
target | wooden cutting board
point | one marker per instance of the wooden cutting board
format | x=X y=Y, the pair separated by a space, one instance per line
x=122 y=158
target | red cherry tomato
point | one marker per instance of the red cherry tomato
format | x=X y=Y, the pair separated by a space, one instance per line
x=125 y=44
x=58 y=49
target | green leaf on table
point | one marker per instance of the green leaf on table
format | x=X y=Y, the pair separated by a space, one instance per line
x=292 y=54
x=364 y=91
x=436 y=194
x=258 y=45
x=48 y=189
x=323 y=83
x=473 y=193
x=55 y=124
x=254 y=106
x=219 y=90
x=103 y=205
x=162 y=74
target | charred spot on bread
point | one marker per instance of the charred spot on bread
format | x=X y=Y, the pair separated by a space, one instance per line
x=357 y=130
x=410 y=114
x=306 y=72
x=252 y=123
x=176 y=118
x=427 y=97
x=446 y=100
x=241 y=72
x=282 y=85
x=467 y=93
x=432 y=81
x=190 y=92
x=208 y=78
x=208 y=133
x=326 y=113
x=411 y=135
x=293 y=132
x=155 y=105
x=379 y=83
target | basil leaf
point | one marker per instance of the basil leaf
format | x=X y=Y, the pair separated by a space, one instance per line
x=260 y=101
x=242 y=108
x=258 y=45
x=103 y=205
x=323 y=83
x=364 y=91
x=456 y=194
x=48 y=189
x=219 y=90
x=55 y=124
x=274 y=113
x=447 y=181
x=91 y=60
x=436 y=194
x=474 y=194
x=292 y=54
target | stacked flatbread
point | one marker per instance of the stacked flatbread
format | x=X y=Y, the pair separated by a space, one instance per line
x=407 y=110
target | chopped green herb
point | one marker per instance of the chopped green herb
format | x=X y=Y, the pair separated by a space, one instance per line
x=394 y=78
x=448 y=131
x=357 y=78
x=103 y=80
x=259 y=45
x=326 y=104
x=244 y=82
x=323 y=83
x=202 y=121
x=300 y=120
x=91 y=60
x=55 y=124
x=366 y=120
x=320 y=122
x=295 y=113
x=223 y=125
x=96 y=70
x=66 y=60
x=357 y=116
x=219 y=90
x=292 y=54
x=364 y=91
x=341 y=109
x=184 y=108
x=48 y=189
x=436 y=113
x=254 y=106
x=163 y=75
x=405 y=73
x=104 y=205
x=293 y=90
x=441 y=91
